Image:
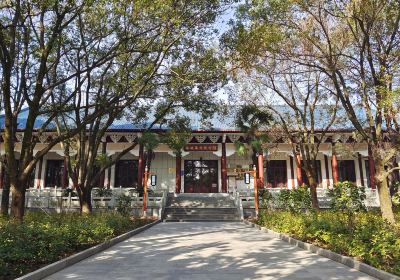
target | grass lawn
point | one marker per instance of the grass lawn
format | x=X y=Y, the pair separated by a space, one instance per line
x=43 y=239
x=366 y=237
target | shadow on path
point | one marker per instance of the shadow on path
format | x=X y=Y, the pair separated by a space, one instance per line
x=206 y=251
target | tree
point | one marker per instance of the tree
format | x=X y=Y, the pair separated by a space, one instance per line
x=307 y=113
x=41 y=46
x=37 y=39
x=167 y=70
x=354 y=44
x=177 y=134
x=253 y=121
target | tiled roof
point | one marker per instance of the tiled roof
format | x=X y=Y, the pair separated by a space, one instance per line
x=218 y=122
x=215 y=123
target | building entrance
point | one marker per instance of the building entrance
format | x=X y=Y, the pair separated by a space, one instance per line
x=201 y=176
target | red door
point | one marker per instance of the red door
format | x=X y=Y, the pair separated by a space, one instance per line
x=201 y=176
x=126 y=174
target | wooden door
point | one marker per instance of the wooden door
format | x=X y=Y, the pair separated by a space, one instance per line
x=201 y=176
x=126 y=174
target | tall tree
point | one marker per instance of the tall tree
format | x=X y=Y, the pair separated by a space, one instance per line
x=41 y=47
x=36 y=41
x=353 y=43
x=158 y=73
x=254 y=122
x=177 y=134
x=303 y=109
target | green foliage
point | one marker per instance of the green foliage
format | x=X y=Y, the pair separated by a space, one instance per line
x=372 y=240
x=103 y=192
x=149 y=140
x=251 y=119
x=43 y=238
x=396 y=194
x=101 y=160
x=266 y=198
x=124 y=204
x=346 y=196
x=68 y=191
x=241 y=148
x=295 y=200
x=176 y=136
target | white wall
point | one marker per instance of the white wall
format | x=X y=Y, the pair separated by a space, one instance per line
x=236 y=161
x=163 y=165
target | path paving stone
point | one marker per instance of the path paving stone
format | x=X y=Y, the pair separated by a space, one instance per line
x=206 y=251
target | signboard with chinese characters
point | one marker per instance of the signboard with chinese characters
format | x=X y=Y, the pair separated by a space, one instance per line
x=247 y=178
x=201 y=147
x=153 y=180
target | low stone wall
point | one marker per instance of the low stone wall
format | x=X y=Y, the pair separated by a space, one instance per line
x=53 y=200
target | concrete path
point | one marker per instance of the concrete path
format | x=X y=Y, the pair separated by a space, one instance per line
x=206 y=251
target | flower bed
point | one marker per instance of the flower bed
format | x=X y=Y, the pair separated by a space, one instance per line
x=368 y=238
x=43 y=239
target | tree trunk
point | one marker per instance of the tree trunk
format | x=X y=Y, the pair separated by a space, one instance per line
x=313 y=190
x=5 y=196
x=18 y=200
x=384 y=193
x=85 y=199
x=313 y=187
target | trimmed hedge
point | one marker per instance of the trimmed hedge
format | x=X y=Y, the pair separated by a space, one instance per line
x=370 y=239
x=43 y=239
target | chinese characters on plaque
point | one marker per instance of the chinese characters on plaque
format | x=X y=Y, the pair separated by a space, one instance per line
x=201 y=148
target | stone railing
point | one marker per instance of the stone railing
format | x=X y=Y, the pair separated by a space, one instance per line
x=238 y=203
x=247 y=198
x=57 y=199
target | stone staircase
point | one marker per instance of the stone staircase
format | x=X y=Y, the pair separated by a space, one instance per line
x=200 y=208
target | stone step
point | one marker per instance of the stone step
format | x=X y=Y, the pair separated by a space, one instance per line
x=200 y=203
x=200 y=207
x=199 y=210
x=202 y=217
x=200 y=220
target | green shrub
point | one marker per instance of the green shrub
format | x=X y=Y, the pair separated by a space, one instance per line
x=266 y=198
x=396 y=194
x=69 y=191
x=103 y=192
x=346 y=196
x=124 y=204
x=295 y=200
x=371 y=239
x=43 y=239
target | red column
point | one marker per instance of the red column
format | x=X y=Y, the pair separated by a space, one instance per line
x=298 y=170
x=64 y=178
x=360 y=169
x=291 y=172
x=1 y=175
x=178 y=174
x=224 y=174
x=39 y=178
x=335 y=169
x=260 y=170
x=103 y=174
x=327 y=170
x=371 y=165
x=140 y=166
x=109 y=177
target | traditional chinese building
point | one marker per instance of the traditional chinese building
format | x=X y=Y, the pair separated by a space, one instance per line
x=209 y=162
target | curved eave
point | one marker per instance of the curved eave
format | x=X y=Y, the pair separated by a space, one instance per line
x=337 y=130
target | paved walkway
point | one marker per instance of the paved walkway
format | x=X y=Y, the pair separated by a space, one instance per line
x=206 y=251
